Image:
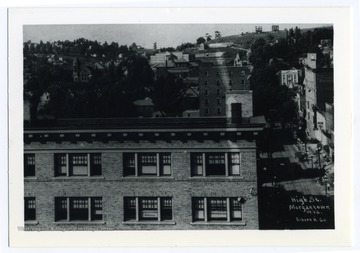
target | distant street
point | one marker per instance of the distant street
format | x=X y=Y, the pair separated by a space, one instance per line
x=292 y=193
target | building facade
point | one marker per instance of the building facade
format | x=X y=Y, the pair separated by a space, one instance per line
x=141 y=174
x=215 y=82
x=290 y=77
x=319 y=89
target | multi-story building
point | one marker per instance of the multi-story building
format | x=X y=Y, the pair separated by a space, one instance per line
x=141 y=174
x=319 y=89
x=221 y=85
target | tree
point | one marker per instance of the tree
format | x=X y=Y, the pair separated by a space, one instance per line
x=184 y=46
x=200 y=40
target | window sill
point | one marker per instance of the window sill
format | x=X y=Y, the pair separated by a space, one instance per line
x=77 y=177
x=214 y=223
x=30 y=178
x=217 y=177
x=148 y=177
x=31 y=222
x=79 y=222
x=149 y=222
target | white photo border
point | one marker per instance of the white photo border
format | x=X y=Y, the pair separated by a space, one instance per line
x=340 y=17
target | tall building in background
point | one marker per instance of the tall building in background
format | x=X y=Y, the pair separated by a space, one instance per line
x=222 y=85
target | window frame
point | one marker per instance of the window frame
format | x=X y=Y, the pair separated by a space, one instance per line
x=157 y=209
x=228 y=162
x=232 y=212
x=29 y=165
x=64 y=164
x=163 y=162
x=29 y=209
x=66 y=209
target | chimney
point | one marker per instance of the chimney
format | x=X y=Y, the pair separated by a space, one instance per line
x=236 y=113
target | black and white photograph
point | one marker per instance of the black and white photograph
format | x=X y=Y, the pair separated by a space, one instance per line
x=184 y=124
x=187 y=126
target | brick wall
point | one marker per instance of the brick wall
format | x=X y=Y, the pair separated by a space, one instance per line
x=243 y=97
x=214 y=78
x=113 y=187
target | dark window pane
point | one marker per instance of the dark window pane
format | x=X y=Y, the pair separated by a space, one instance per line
x=60 y=165
x=95 y=166
x=129 y=164
x=79 y=209
x=129 y=208
x=29 y=165
x=30 y=208
x=215 y=164
x=166 y=209
x=60 y=209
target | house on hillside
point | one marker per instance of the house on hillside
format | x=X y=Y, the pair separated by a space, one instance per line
x=289 y=78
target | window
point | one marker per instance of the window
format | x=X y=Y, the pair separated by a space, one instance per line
x=78 y=165
x=218 y=92
x=78 y=209
x=230 y=82
x=217 y=82
x=129 y=164
x=218 y=110
x=218 y=101
x=206 y=101
x=147 y=164
x=217 y=73
x=234 y=164
x=29 y=165
x=206 y=92
x=30 y=209
x=197 y=164
x=216 y=164
x=165 y=164
x=205 y=82
x=206 y=73
x=217 y=209
x=243 y=81
x=148 y=209
x=230 y=73
x=207 y=111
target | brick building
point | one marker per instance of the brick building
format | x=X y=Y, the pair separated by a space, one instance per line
x=217 y=83
x=147 y=174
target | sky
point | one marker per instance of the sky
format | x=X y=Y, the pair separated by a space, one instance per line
x=166 y=35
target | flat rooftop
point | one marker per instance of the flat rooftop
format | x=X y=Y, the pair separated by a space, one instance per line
x=144 y=123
